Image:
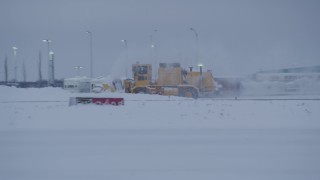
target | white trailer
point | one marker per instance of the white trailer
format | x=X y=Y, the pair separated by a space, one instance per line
x=77 y=84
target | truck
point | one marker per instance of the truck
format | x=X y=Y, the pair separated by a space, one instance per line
x=172 y=80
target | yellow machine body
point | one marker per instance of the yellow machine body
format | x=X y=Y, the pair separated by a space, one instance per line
x=171 y=80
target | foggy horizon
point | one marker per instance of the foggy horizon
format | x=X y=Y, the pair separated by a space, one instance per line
x=235 y=38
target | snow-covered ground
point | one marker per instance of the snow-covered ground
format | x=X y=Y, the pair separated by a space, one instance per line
x=156 y=137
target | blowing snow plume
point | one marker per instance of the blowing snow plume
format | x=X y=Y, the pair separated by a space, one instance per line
x=281 y=85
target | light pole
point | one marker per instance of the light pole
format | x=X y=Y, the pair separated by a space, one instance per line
x=91 y=54
x=200 y=66
x=48 y=42
x=39 y=67
x=50 y=63
x=153 y=52
x=6 y=68
x=197 y=44
x=152 y=44
x=127 y=54
x=78 y=68
x=15 y=62
x=201 y=79
x=24 y=71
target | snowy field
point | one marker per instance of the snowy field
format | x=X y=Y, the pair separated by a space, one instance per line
x=156 y=137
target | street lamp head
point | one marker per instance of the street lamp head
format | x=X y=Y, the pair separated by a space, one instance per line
x=46 y=40
x=195 y=32
x=14 y=48
x=123 y=40
x=89 y=32
x=200 y=65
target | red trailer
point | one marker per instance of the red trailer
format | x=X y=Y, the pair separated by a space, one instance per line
x=96 y=100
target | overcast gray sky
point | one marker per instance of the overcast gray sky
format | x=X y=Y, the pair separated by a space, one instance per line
x=236 y=37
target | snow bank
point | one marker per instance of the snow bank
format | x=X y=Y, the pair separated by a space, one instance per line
x=58 y=94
